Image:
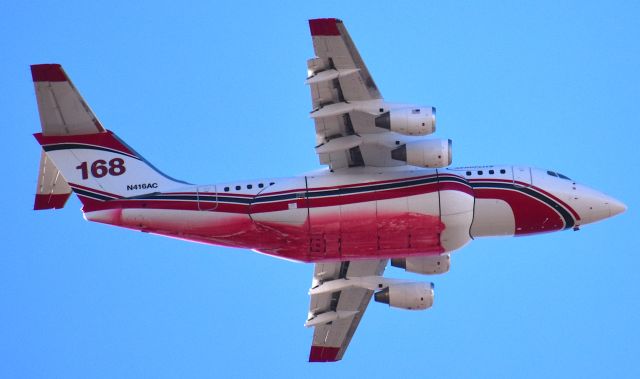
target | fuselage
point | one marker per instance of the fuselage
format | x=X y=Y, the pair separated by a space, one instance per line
x=367 y=213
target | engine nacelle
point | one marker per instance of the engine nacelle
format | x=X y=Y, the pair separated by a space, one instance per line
x=412 y=296
x=409 y=121
x=433 y=153
x=438 y=264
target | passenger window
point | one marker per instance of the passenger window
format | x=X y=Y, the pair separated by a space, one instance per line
x=491 y=172
x=260 y=185
x=503 y=171
x=468 y=173
x=238 y=188
x=249 y=186
x=480 y=172
x=226 y=189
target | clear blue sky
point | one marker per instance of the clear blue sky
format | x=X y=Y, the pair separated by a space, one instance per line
x=213 y=92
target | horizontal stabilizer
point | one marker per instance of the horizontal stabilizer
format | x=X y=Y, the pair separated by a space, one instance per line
x=53 y=190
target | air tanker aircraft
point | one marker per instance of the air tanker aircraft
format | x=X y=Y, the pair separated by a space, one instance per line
x=387 y=194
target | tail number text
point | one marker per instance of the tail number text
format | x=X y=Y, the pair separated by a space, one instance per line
x=101 y=168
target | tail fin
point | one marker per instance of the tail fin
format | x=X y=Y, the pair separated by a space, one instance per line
x=94 y=162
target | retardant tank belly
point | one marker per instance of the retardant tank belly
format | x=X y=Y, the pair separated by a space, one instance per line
x=372 y=215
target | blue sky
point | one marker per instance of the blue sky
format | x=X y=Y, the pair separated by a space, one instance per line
x=215 y=91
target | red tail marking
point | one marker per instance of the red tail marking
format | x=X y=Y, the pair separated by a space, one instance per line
x=323 y=354
x=324 y=27
x=48 y=73
x=53 y=201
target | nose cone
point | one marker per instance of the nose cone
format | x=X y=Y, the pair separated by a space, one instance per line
x=594 y=206
x=615 y=207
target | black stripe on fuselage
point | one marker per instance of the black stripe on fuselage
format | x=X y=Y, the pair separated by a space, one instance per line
x=92 y=195
x=311 y=193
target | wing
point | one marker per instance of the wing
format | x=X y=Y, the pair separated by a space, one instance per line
x=336 y=315
x=351 y=118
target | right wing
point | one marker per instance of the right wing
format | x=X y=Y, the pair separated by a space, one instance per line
x=336 y=315
x=339 y=73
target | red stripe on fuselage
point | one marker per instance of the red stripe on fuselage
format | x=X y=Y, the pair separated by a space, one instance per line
x=531 y=215
x=280 y=205
x=527 y=185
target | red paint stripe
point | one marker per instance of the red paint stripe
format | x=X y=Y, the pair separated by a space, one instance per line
x=106 y=139
x=323 y=354
x=324 y=27
x=557 y=200
x=528 y=185
x=90 y=204
x=282 y=205
x=48 y=73
x=456 y=186
x=531 y=215
x=53 y=201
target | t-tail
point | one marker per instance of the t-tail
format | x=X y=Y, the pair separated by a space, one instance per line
x=79 y=155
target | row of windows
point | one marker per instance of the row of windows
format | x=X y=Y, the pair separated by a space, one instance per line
x=491 y=172
x=249 y=186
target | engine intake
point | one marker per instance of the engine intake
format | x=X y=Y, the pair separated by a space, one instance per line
x=433 y=153
x=409 y=121
x=413 y=296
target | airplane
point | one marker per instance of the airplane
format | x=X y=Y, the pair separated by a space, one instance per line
x=386 y=195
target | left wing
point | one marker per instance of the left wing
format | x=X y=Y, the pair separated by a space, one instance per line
x=354 y=125
x=336 y=314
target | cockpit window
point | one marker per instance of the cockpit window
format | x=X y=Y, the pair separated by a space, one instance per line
x=558 y=175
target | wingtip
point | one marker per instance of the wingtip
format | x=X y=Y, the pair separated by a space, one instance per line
x=48 y=72
x=324 y=26
x=323 y=354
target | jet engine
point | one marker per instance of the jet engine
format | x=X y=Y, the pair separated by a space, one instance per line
x=432 y=153
x=412 y=296
x=438 y=264
x=409 y=121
